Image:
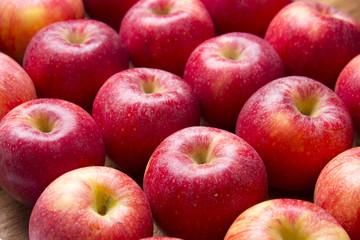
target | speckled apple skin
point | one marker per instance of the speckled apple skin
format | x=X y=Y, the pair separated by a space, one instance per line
x=314 y=40
x=223 y=85
x=266 y=220
x=65 y=210
x=338 y=190
x=348 y=88
x=133 y=123
x=200 y=201
x=251 y=16
x=294 y=146
x=165 y=41
x=71 y=71
x=31 y=159
x=22 y=19
x=16 y=86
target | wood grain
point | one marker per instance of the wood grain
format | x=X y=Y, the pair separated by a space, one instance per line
x=14 y=217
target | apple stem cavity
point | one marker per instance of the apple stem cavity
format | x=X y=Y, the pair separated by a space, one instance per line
x=150 y=86
x=103 y=201
x=162 y=10
x=76 y=38
x=232 y=54
x=42 y=122
x=201 y=156
x=307 y=106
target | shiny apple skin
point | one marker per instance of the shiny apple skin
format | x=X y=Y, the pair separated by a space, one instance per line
x=285 y=218
x=200 y=201
x=30 y=159
x=134 y=123
x=295 y=146
x=337 y=190
x=165 y=41
x=223 y=84
x=61 y=67
x=22 y=19
x=314 y=40
x=67 y=209
x=16 y=86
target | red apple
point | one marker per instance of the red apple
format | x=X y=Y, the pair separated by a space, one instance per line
x=297 y=125
x=348 y=88
x=163 y=33
x=226 y=70
x=110 y=12
x=243 y=16
x=42 y=139
x=91 y=203
x=71 y=60
x=139 y=107
x=199 y=179
x=314 y=40
x=338 y=190
x=21 y=19
x=286 y=219
x=16 y=86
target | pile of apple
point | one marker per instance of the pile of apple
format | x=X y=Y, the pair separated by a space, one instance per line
x=203 y=107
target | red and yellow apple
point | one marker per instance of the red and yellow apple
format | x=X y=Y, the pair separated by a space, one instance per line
x=286 y=219
x=297 y=125
x=91 y=203
x=21 y=19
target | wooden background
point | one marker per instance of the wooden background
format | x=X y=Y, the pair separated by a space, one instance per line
x=14 y=217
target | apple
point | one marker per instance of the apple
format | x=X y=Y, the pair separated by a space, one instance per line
x=226 y=70
x=337 y=190
x=348 y=86
x=286 y=219
x=314 y=40
x=297 y=125
x=162 y=33
x=110 y=12
x=137 y=108
x=21 y=19
x=42 y=139
x=71 y=60
x=199 y=179
x=91 y=203
x=16 y=86
x=243 y=16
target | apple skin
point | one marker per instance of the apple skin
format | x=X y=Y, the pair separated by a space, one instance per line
x=243 y=16
x=297 y=125
x=161 y=238
x=337 y=190
x=137 y=108
x=347 y=87
x=162 y=33
x=42 y=139
x=226 y=70
x=286 y=219
x=199 y=179
x=16 y=86
x=71 y=60
x=110 y=12
x=21 y=19
x=314 y=40
x=91 y=203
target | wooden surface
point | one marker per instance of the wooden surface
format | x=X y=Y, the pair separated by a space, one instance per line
x=14 y=217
